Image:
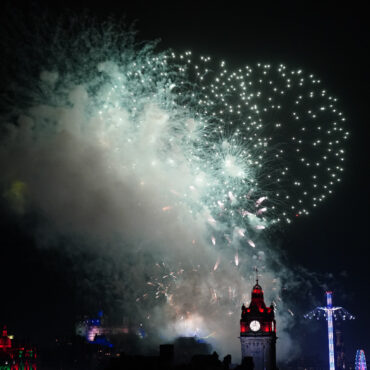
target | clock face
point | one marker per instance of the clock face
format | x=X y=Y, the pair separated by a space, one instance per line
x=255 y=325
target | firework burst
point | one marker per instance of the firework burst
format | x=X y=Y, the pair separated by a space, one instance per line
x=186 y=160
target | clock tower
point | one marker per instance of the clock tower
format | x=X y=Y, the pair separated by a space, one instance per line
x=258 y=332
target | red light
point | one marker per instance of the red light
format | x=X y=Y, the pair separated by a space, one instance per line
x=243 y=328
x=261 y=309
x=296 y=215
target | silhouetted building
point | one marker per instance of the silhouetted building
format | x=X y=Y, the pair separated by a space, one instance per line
x=187 y=347
x=166 y=356
x=166 y=360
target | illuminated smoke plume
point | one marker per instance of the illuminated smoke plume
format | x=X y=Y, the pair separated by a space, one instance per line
x=174 y=165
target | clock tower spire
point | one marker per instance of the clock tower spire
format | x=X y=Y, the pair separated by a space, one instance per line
x=258 y=331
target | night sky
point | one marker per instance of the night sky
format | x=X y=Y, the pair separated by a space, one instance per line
x=38 y=286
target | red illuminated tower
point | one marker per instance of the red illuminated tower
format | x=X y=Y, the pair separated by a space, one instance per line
x=258 y=332
x=5 y=341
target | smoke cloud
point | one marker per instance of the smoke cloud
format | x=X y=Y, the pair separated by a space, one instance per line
x=97 y=142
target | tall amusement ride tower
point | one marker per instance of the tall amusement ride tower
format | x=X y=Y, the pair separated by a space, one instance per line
x=330 y=313
x=258 y=331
